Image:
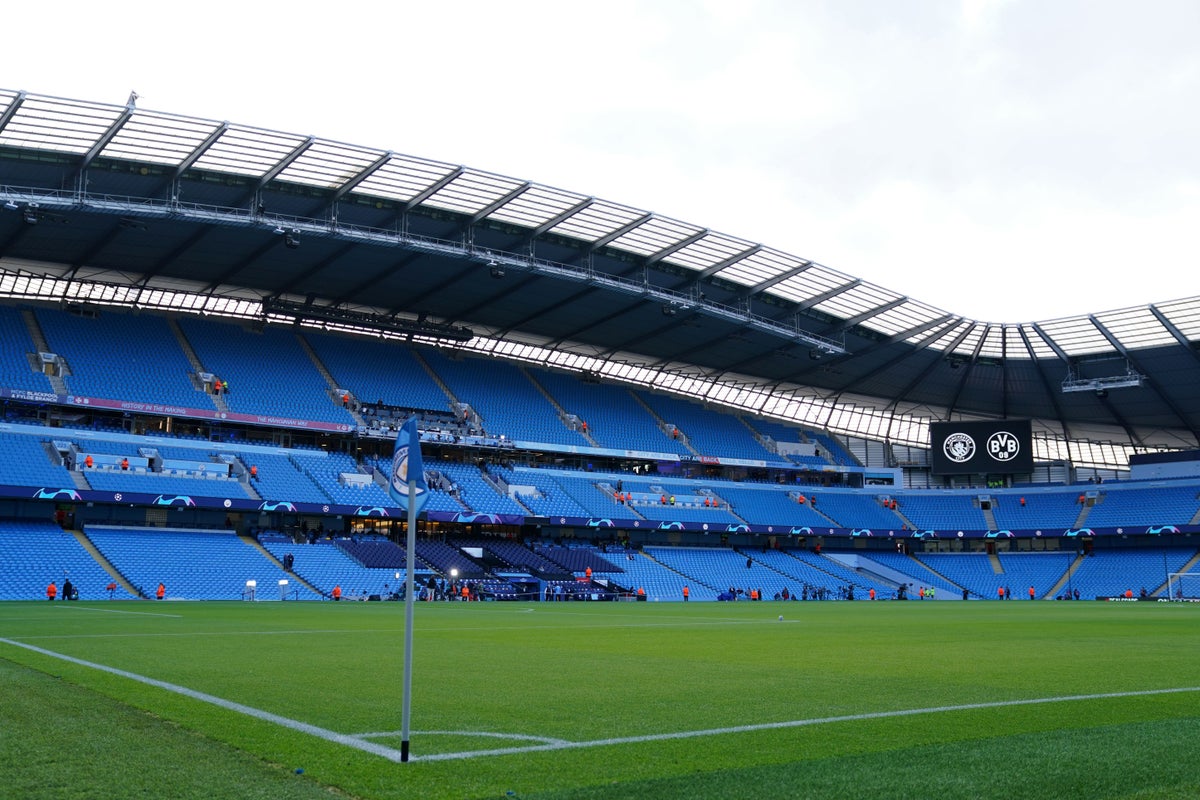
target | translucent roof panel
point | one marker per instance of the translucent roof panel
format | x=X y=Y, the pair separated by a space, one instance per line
x=248 y=151
x=904 y=317
x=536 y=206
x=1039 y=346
x=472 y=192
x=1136 y=327
x=856 y=300
x=1184 y=315
x=654 y=235
x=993 y=342
x=935 y=334
x=597 y=221
x=328 y=164
x=60 y=125
x=762 y=266
x=1077 y=337
x=943 y=339
x=402 y=178
x=712 y=249
x=814 y=281
x=158 y=138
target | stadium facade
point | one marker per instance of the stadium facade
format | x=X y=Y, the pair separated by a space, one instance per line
x=229 y=323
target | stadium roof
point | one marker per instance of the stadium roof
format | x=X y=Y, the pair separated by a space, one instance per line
x=110 y=203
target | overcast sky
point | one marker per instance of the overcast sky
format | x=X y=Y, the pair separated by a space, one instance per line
x=1008 y=160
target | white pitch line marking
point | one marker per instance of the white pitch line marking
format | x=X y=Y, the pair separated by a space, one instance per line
x=800 y=723
x=354 y=741
x=486 y=734
x=266 y=716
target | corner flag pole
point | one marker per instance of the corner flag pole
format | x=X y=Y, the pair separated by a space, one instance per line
x=410 y=547
x=408 y=488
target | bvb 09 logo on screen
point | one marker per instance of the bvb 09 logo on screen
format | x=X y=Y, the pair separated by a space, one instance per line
x=1003 y=446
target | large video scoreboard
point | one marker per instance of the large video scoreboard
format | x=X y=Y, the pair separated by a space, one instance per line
x=960 y=448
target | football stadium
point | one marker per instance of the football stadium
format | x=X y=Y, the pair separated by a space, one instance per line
x=697 y=517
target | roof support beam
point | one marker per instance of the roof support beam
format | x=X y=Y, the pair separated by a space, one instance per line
x=774 y=280
x=1187 y=423
x=654 y=258
x=612 y=236
x=498 y=204
x=366 y=172
x=433 y=188
x=12 y=109
x=1051 y=390
x=708 y=272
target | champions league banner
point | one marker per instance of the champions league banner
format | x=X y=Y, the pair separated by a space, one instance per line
x=960 y=448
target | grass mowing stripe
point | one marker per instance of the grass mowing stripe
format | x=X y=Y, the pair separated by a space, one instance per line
x=296 y=725
x=132 y=613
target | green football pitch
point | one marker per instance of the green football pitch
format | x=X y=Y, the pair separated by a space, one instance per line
x=601 y=700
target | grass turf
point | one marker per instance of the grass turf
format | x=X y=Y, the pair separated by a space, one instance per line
x=637 y=676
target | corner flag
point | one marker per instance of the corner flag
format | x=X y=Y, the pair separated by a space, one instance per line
x=407 y=466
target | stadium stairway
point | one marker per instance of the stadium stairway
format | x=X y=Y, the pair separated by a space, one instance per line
x=39 y=341
x=563 y=414
x=666 y=427
x=197 y=367
x=692 y=580
x=1066 y=576
x=267 y=554
x=921 y=566
x=117 y=577
x=334 y=388
x=990 y=519
x=454 y=403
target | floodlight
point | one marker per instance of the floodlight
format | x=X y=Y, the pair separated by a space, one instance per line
x=11 y=205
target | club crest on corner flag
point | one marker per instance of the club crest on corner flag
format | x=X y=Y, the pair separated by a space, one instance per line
x=406 y=464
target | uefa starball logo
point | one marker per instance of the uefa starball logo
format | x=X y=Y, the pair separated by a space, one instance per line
x=959 y=447
x=1003 y=446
